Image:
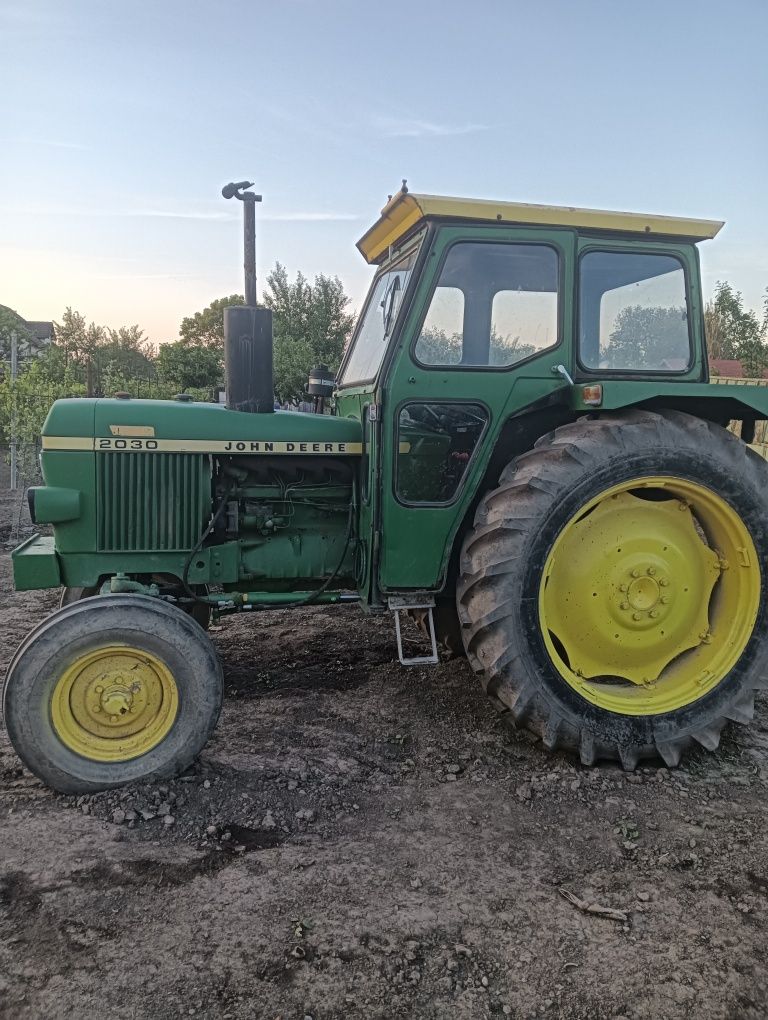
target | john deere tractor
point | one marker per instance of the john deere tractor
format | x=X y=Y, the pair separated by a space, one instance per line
x=524 y=450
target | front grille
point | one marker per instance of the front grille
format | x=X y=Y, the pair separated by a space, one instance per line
x=151 y=501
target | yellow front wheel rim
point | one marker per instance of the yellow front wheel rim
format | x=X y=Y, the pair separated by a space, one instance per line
x=649 y=595
x=114 y=704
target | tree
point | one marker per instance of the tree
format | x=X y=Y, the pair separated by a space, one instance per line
x=11 y=322
x=206 y=328
x=25 y=402
x=310 y=320
x=104 y=359
x=648 y=337
x=183 y=366
x=436 y=347
x=311 y=325
x=734 y=332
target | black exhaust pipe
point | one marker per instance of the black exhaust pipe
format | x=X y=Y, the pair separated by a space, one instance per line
x=248 y=371
x=248 y=359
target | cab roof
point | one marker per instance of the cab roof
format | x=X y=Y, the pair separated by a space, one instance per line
x=404 y=211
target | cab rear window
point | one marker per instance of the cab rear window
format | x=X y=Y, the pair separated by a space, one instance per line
x=633 y=312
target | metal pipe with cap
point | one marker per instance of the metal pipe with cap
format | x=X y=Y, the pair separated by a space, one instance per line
x=248 y=367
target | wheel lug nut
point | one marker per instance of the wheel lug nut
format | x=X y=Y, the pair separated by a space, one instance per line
x=636 y=572
x=666 y=599
x=654 y=613
x=624 y=587
x=651 y=571
x=624 y=605
x=99 y=689
x=113 y=718
x=637 y=616
x=97 y=708
x=663 y=582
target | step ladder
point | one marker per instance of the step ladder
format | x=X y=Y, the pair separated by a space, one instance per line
x=402 y=603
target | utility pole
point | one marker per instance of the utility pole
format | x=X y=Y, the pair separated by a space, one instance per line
x=14 y=373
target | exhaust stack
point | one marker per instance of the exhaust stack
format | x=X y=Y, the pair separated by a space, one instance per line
x=248 y=374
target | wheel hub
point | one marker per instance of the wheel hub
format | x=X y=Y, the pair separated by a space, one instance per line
x=628 y=592
x=643 y=593
x=114 y=704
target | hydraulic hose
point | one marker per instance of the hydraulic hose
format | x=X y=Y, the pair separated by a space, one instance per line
x=211 y=525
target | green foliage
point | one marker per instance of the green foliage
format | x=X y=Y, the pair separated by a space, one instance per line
x=311 y=325
x=181 y=366
x=646 y=337
x=734 y=332
x=24 y=404
x=11 y=322
x=206 y=328
x=436 y=347
x=85 y=358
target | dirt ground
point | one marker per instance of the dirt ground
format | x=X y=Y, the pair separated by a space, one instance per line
x=361 y=840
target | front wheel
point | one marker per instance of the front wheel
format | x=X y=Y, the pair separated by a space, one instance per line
x=612 y=593
x=109 y=690
x=197 y=610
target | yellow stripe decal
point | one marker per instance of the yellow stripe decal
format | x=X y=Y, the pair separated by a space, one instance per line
x=233 y=446
x=67 y=443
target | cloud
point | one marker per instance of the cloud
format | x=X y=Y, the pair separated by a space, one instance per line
x=403 y=127
x=169 y=214
x=309 y=217
x=211 y=215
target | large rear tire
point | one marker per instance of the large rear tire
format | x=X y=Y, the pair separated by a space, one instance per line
x=110 y=690
x=611 y=592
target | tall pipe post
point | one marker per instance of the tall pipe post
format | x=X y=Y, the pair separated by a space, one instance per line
x=248 y=367
x=249 y=246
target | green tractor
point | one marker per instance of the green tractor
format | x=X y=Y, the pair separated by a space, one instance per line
x=524 y=451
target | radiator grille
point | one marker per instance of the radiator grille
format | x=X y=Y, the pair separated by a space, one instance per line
x=151 y=501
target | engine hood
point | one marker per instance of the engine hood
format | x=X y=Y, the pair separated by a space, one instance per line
x=180 y=427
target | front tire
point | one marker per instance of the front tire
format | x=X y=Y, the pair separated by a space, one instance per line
x=611 y=592
x=197 y=610
x=110 y=690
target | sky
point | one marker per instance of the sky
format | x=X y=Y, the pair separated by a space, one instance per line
x=120 y=122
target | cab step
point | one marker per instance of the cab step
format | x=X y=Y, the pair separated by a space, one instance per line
x=402 y=603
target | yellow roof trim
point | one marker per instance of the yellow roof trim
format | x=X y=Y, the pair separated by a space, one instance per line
x=405 y=210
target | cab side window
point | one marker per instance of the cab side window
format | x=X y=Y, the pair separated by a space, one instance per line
x=494 y=306
x=435 y=446
x=633 y=312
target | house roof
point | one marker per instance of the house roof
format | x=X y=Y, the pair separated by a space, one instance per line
x=727 y=367
x=405 y=211
x=42 y=331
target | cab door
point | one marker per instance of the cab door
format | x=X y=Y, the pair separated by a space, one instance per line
x=486 y=332
x=359 y=396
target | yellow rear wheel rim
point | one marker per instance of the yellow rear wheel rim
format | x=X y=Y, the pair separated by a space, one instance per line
x=649 y=595
x=114 y=704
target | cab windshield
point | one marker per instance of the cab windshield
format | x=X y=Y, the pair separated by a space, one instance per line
x=375 y=327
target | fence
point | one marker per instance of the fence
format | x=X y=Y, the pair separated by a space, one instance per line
x=760 y=440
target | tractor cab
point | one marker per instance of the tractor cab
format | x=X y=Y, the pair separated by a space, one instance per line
x=486 y=325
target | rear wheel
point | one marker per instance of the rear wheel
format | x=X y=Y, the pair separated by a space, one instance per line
x=109 y=690
x=611 y=592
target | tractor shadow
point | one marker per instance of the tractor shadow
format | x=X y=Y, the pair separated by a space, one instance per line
x=288 y=652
